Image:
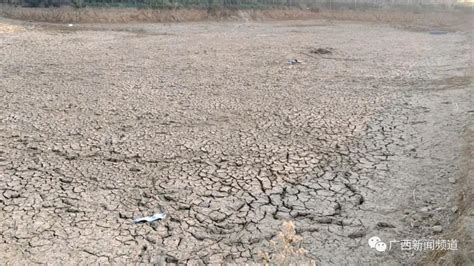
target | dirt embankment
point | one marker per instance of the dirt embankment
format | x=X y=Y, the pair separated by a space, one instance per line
x=447 y=19
x=463 y=227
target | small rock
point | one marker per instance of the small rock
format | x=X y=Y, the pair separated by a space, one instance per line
x=454 y=209
x=415 y=224
x=426 y=215
x=437 y=229
x=124 y=215
x=357 y=234
x=417 y=217
x=71 y=157
x=65 y=180
x=217 y=216
x=385 y=225
x=425 y=209
x=151 y=240
x=72 y=210
x=452 y=180
x=134 y=169
x=10 y=194
x=321 y=51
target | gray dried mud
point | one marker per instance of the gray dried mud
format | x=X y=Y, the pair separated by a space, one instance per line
x=208 y=123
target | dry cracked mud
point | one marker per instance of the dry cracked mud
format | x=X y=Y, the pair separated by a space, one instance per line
x=208 y=123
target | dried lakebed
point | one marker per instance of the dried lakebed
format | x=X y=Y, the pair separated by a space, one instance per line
x=209 y=124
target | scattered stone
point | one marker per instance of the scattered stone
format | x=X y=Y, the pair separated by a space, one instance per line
x=385 y=225
x=452 y=180
x=9 y=194
x=437 y=229
x=124 y=216
x=72 y=210
x=425 y=209
x=65 y=180
x=357 y=234
x=425 y=215
x=134 y=169
x=150 y=239
x=321 y=51
x=217 y=216
x=415 y=223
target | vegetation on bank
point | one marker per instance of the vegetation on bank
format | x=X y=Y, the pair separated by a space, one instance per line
x=242 y=4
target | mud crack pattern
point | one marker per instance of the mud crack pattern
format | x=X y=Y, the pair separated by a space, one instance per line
x=209 y=124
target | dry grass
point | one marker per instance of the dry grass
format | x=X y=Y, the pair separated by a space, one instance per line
x=5 y=28
x=418 y=20
x=124 y=15
x=102 y=15
x=448 y=20
x=287 y=249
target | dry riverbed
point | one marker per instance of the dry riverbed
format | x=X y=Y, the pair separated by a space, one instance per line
x=210 y=124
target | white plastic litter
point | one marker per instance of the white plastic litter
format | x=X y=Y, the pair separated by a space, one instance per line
x=70 y=25
x=150 y=219
x=293 y=62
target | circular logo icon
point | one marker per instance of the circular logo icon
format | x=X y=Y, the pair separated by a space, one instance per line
x=376 y=242
x=380 y=246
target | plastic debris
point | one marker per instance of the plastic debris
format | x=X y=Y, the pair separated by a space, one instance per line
x=150 y=219
x=293 y=62
x=70 y=25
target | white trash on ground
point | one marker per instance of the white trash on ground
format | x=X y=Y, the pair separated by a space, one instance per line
x=150 y=219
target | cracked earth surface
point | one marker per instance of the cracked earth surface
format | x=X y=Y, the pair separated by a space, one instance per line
x=208 y=123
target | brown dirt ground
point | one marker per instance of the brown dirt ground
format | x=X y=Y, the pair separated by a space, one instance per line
x=208 y=123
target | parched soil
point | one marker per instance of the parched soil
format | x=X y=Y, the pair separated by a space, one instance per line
x=210 y=124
